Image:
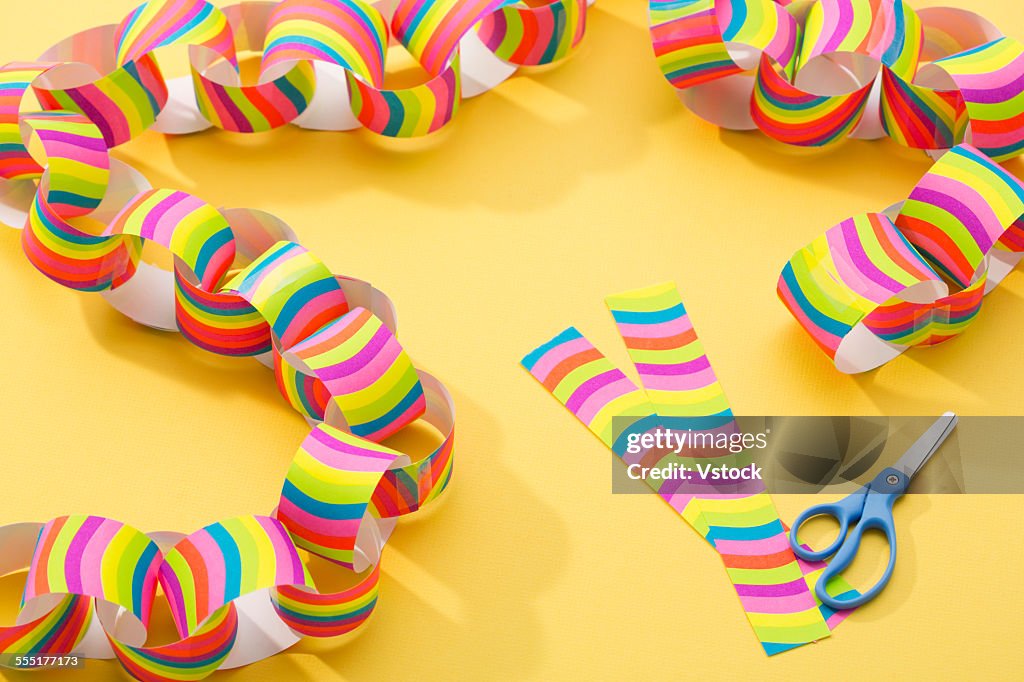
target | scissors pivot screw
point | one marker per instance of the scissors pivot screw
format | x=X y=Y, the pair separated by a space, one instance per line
x=892 y=479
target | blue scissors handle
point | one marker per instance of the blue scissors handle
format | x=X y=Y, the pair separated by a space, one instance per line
x=846 y=512
x=870 y=508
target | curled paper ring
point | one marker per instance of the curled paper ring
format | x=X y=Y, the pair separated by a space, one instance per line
x=807 y=74
x=876 y=284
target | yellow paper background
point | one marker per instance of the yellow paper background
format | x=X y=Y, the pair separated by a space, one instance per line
x=545 y=195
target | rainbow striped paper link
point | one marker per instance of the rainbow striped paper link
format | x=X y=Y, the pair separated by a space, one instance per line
x=533 y=36
x=74 y=182
x=97 y=558
x=55 y=629
x=678 y=382
x=871 y=287
x=814 y=73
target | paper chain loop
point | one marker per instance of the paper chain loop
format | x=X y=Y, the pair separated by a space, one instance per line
x=241 y=285
x=915 y=275
x=812 y=72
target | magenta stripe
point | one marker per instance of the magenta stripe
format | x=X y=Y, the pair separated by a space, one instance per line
x=73 y=568
x=779 y=590
x=591 y=385
x=365 y=355
x=682 y=368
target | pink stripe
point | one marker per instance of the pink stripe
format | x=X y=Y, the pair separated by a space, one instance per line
x=381 y=107
x=557 y=355
x=312 y=308
x=159 y=26
x=545 y=35
x=370 y=373
x=969 y=197
x=989 y=80
x=838 y=19
x=853 y=266
x=267 y=268
x=168 y=215
x=335 y=528
x=74 y=566
x=414 y=412
x=79 y=153
x=340 y=20
x=827 y=339
x=213 y=560
x=770 y=545
x=340 y=370
x=441 y=43
x=289 y=566
x=172 y=589
x=680 y=382
x=92 y=581
x=793 y=603
x=783 y=45
x=658 y=330
x=679 y=501
x=338 y=455
x=600 y=398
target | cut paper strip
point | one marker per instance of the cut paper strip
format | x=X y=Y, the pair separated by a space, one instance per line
x=875 y=285
x=238 y=590
x=678 y=382
x=814 y=73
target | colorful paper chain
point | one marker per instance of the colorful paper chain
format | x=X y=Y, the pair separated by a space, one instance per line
x=241 y=285
x=111 y=73
x=238 y=291
x=879 y=283
x=807 y=72
x=775 y=588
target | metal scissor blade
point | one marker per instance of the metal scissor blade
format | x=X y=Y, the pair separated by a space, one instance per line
x=926 y=446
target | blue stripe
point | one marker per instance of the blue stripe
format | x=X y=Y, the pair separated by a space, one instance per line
x=139 y=577
x=133 y=71
x=561 y=23
x=350 y=615
x=649 y=317
x=397 y=110
x=761 y=532
x=534 y=357
x=293 y=94
x=293 y=39
x=704 y=66
x=270 y=259
x=210 y=247
x=772 y=648
x=830 y=325
x=59 y=196
x=403 y=405
x=324 y=510
x=232 y=561
x=298 y=300
x=739 y=18
x=967 y=53
x=995 y=168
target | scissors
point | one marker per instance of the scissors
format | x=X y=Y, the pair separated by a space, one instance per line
x=868 y=508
